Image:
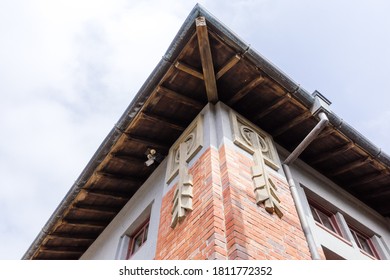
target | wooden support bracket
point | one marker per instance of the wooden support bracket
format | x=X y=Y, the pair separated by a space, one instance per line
x=206 y=59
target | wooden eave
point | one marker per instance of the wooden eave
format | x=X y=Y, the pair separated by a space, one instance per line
x=171 y=98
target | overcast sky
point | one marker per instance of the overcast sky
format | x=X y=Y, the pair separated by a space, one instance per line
x=68 y=70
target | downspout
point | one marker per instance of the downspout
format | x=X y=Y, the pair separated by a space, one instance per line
x=318 y=109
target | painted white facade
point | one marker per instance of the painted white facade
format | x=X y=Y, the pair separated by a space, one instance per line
x=113 y=242
x=350 y=210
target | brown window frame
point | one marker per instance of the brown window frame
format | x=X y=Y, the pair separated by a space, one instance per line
x=141 y=231
x=356 y=234
x=318 y=209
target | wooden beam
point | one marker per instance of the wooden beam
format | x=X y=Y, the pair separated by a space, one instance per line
x=96 y=209
x=349 y=166
x=189 y=70
x=87 y=224
x=120 y=177
x=382 y=208
x=381 y=192
x=368 y=179
x=291 y=124
x=206 y=59
x=180 y=98
x=125 y=159
x=76 y=237
x=245 y=90
x=164 y=121
x=148 y=142
x=123 y=197
x=278 y=102
x=63 y=249
x=329 y=154
x=326 y=132
x=229 y=65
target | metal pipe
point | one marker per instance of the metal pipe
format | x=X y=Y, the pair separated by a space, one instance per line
x=294 y=191
x=308 y=139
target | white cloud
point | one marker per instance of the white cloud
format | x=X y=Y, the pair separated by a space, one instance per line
x=68 y=69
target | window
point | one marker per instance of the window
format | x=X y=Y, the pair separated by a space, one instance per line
x=364 y=243
x=325 y=218
x=137 y=239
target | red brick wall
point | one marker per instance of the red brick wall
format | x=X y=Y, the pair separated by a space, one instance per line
x=225 y=222
x=201 y=235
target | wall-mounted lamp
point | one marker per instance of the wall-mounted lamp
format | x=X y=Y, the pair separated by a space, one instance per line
x=151 y=155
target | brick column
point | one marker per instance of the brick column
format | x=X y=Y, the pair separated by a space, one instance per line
x=226 y=221
x=201 y=235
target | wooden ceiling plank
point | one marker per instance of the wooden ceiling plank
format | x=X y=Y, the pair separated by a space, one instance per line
x=164 y=121
x=110 y=195
x=87 y=224
x=96 y=209
x=147 y=142
x=72 y=237
x=180 y=97
x=189 y=70
x=206 y=60
x=329 y=154
x=63 y=250
x=383 y=192
x=349 y=166
x=325 y=133
x=280 y=101
x=245 y=90
x=368 y=179
x=120 y=177
x=229 y=65
x=126 y=158
x=297 y=120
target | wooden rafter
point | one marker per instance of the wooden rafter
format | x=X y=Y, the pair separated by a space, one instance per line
x=245 y=90
x=126 y=158
x=349 y=166
x=325 y=133
x=206 y=59
x=161 y=120
x=180 y=98
x=96 y=209
x=329 y=154
x=147 y=142
x=189 y=70
x=85 y=238
x=63 y=249
x=121 y=197
x=119 y=177
x=280 y=101
x=229 y=65
x=86 y=224
x=368 y=178
x=297 y=120
x=381 y=192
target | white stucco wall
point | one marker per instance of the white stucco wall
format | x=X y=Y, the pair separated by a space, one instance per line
x=352 y=209
x=217 y=131
x=112 y=242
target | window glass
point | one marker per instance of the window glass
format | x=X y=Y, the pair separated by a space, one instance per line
x=138 y=239
x=364 y=243
x=324 y=218
x=315 y=215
